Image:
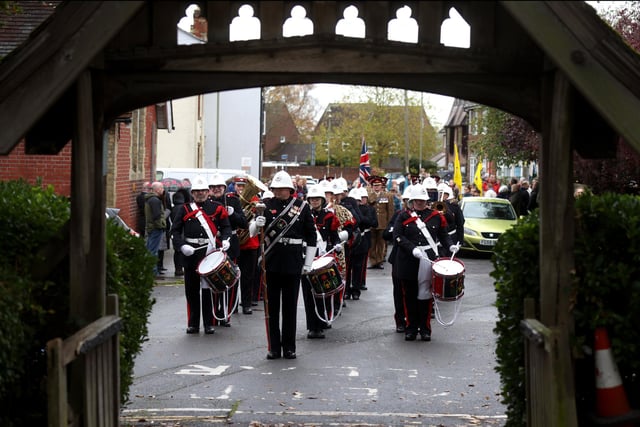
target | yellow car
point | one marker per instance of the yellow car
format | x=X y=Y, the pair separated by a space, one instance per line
x=485 y=219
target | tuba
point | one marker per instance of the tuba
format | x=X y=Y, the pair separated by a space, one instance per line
x=251 y=189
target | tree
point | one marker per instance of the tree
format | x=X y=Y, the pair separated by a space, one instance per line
x=509 y=139
x=379 y=118
x=302 y=107
x=505 y=139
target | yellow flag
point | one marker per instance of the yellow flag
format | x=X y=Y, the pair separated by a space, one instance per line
x=457 y=174
x=477 y=179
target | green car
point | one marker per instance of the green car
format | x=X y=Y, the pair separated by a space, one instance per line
x=485 y=219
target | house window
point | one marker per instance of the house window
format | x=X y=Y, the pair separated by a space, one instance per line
x=473 y=122
x=137 y=143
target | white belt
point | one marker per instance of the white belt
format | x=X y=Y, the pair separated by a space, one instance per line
x=197 y=241
x=366 y=231
x=288 y=241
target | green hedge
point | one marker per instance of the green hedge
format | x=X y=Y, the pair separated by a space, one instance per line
x=606 y=293
x=130 y=276
x=34 y=311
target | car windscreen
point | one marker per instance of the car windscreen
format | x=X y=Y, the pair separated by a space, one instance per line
x=489 y=210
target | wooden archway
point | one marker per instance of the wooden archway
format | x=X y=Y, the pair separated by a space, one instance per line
x=539 y=60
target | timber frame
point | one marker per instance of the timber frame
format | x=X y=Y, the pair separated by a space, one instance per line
x=555 y=64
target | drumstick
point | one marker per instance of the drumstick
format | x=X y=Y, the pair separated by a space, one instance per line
x=260 y=207
x=455 y=252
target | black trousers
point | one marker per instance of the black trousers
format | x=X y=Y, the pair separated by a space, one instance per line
x=398 y=303
x=417 y=312
x=282 y=293
x=194 y=294
x=313 y=322
x=247 y=262
x=356 y=271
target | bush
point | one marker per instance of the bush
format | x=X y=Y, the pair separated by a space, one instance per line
x=33 y=311
x=607 y=293
x=130 y=276
x=515 y=260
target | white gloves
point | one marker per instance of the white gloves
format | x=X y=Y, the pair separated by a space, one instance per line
x=230 y=210
x=187 y=250
x=253 y=229
x=454 y=248
x=417 y=253
x=225 y=245
x=343 y=235
x=260 y=221
x=308 y=259
x=338 y=248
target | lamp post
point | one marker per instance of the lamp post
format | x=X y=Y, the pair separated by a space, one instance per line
x=328 y=140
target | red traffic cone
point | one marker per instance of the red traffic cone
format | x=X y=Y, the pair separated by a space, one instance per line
x=610 y=396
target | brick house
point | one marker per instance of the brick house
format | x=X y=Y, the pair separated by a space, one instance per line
x=131 y=138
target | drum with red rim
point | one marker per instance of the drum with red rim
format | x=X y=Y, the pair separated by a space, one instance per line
x=219 y=271
x=324 y=276
x=447 y=279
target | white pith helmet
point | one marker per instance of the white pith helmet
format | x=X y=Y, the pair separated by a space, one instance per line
x=325 y=186
x=442 y=189
x=342 y=183
x=199 y=183
x=418 y=192
x=217 y=179
x=268 y=194
x=406 y=194
x=335 y=187
x=355 y=193
x=429 y=183
x=282 y=180
x=316 y=191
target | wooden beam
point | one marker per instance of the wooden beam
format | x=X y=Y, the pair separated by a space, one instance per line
x=44 y=68
x=518 y=95
x=556 y=249
x=575 y=53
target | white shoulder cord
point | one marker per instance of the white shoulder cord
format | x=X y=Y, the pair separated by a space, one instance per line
x=204 y=223
x=423 y=228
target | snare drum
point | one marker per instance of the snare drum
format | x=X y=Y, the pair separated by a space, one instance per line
x=218 y=271
x=447 y=279
x=324 y=276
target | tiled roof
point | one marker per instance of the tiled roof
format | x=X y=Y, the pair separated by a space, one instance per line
x=18 y=19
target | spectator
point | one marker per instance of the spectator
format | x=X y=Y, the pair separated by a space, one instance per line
x=155 y=220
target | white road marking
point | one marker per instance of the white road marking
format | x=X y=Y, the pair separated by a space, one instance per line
x=203 y=370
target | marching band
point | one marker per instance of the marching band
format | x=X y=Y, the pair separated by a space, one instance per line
x=318 y=243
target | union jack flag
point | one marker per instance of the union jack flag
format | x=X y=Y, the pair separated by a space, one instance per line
x=365 y=168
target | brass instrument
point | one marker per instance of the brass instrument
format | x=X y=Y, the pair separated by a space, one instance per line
x=440 y=206
x=251 y=189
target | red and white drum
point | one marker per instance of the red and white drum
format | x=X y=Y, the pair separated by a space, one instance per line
x=447 y=279
x=324 y=276
x=219 y=271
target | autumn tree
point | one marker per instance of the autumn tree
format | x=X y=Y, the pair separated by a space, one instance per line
x=509 y=139
x=380 y=116
x=621 y=173
x=503 y=138
x=302 y=107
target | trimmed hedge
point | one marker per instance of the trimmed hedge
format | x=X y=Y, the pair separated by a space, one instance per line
x=606 y=292
x=34 y=311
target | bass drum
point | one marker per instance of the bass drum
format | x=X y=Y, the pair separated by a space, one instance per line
x=219 y=271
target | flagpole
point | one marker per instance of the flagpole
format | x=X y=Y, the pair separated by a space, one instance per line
x=421 y=131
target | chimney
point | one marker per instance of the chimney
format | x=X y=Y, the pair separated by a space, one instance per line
x=200 y=26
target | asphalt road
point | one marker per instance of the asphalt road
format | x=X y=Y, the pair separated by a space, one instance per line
x=362 y=373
